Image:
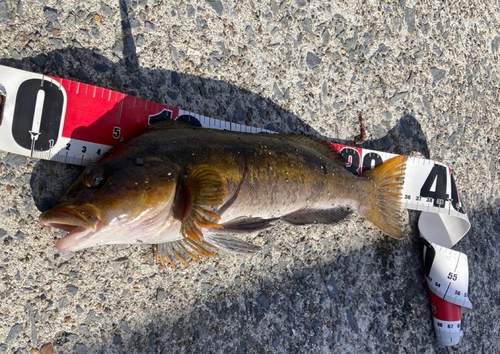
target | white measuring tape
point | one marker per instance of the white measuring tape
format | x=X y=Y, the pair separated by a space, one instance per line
x=55 y=119
x=447 y=275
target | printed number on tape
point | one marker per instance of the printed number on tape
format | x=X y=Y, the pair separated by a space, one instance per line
x=447 y=274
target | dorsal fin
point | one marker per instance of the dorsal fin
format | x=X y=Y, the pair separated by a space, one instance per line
x=318 y=145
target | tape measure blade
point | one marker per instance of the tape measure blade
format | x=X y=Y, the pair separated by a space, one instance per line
x=448 y=277
x=443 y=229
x=446 y=336
x=430 y=188
x=458 y=291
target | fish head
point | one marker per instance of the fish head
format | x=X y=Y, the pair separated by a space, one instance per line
x=122 y=199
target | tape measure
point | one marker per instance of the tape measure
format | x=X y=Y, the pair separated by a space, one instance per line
x=447 y=276
x=56 y=119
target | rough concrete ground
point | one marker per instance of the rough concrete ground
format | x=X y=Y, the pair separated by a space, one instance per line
x=426 y=79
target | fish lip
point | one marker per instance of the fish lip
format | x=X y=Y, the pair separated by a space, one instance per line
x=63 y=219
x=79 y=228
x=75 y=240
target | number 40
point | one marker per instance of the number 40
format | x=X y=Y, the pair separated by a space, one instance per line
x=434 y=188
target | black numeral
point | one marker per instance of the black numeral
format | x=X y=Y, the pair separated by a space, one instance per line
x=68 y=145
x=48 y=97
x=452 y=276
x=116 y=132
x=84 y=149
x=437 y=177
x=351 y=159
x=371 y=160
x=98 y=152
x=165 y=114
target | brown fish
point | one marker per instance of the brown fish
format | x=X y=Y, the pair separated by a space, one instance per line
x=191 y=190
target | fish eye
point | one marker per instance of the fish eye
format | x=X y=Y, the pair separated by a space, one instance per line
x=95 y=178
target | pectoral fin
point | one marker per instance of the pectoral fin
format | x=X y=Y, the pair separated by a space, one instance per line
x=317 y=216
x=202 y=191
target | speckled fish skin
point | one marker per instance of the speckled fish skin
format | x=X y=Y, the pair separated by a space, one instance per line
x=177 y=182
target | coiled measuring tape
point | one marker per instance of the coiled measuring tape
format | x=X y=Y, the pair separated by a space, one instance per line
x=430 y=187
x=56 y=119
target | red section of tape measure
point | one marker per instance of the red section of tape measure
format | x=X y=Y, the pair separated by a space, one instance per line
x=352 y=157
x=444 y=310
x=103 y=116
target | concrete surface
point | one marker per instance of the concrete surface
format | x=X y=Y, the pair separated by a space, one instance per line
x=426 y=79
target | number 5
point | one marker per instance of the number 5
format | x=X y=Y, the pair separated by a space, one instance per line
x=116 y=132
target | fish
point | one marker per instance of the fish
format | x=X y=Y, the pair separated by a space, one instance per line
x=191 y=191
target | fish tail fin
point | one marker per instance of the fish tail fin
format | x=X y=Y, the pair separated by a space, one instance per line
x=384 y=196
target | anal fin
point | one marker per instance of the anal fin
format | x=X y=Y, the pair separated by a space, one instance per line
x=247 y=224
x=317 y=216
x=230 y=243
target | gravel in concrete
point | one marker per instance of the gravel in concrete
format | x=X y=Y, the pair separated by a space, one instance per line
x=425 y=77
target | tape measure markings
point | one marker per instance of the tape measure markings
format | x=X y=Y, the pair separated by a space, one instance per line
x=96 y=133
x=449 y=269
x=422 y=187
x=446 y=318
x=120 y=109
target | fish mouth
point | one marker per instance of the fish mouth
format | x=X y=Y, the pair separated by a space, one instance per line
x=80 y=226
